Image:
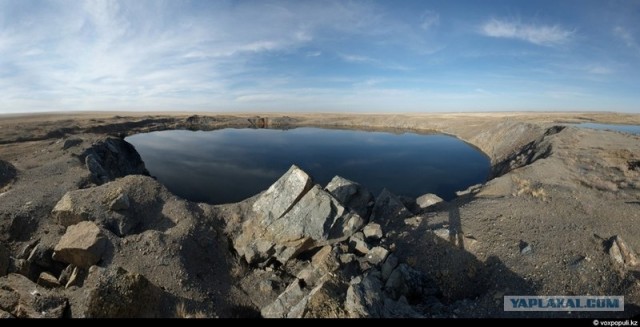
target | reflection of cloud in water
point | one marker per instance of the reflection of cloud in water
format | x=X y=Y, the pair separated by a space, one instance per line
x=232 y=164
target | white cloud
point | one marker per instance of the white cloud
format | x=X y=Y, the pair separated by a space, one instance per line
x=547 y=35
x=599 y=70
x=429 y=19
x=626 y=37
x=357 y=58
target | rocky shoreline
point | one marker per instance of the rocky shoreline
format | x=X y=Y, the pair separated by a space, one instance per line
x=85 y=232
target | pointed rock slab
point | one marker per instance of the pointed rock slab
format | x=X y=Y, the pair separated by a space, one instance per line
x=621 y=253
x=283 y=194
x=82 y=245
x=388 y=208
x=292 y=217
x=317 y=219
x=352 y=195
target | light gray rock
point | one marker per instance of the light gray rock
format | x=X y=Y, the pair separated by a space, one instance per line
x=621 y=253
x=82 y=245
x=352 y=195
x=388 y=208
x=357 y=244
x=317 y=219
x=283 y=194
x=427 y=200
x=377 y=255
x=372 y=231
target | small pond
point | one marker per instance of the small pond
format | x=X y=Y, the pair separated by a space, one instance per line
x=230 y=165
x=631 y=129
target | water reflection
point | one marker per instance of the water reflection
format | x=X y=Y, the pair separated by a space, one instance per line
x=631 y=129
x=232 y=164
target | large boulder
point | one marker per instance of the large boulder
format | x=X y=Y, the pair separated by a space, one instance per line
x=126 y=206
x=82 y=245
x=303 y=221
x=117 y=293
x=352 y=195
x=283 y=194
x=22 y=298
x=112 y=158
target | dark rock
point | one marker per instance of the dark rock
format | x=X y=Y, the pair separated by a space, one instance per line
x=388 y=208
x=389 y=265
x=70 y=143
x=113 y=158
x=352 y=195
x=4 y=260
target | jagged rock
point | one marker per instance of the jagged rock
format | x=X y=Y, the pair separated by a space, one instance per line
x=316 y=219
x=364 y=298
x=324 y=301
x=427 y=200
x=322 y=263
x=22 y=298
x=5 y=315
x=129 y=205
x=113 y=158
x=377 y=255
x=70 y=210
x=357 y=244
x=117 y=293
x=4 y=260
x=65 y=274
x=372 y=231
x=283 y=194
x=281 y=307
x=74 y=277
x=389 y=265
x=352 y=195
x=399 y=309
x=388 y=208
x=82 y=245
x=47 y=280
x=621 y=253
x=408 y=282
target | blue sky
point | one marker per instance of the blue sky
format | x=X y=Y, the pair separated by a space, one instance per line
x=332 y=56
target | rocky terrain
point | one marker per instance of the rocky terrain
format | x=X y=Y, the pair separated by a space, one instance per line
x=86 y=232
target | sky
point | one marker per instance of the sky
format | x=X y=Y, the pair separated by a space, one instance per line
x=320 y=56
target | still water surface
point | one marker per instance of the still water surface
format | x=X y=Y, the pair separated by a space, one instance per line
x=229 y=165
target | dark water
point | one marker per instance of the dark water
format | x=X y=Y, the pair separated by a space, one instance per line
x=631 y=129
x=230 y=165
